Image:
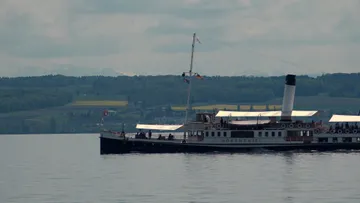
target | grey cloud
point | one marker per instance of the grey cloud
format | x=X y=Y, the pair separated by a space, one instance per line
x=275 y=25
x=116 y=6
x=347 y=29
x=42 y=47
x=19 y=38
x=156 y=7
x=210 y=35
x=292 y=42
x=186 y=48
x=14 y=31
x=199 y=13
x=171 y=28
x=208 y=44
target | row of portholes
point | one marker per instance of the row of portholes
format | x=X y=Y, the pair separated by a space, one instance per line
x=347 y=131
x=299 y=125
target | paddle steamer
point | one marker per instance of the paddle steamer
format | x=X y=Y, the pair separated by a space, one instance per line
x=232 y=131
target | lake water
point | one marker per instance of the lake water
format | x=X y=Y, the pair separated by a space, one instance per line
x=69 y=168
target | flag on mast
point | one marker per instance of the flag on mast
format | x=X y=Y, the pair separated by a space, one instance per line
x=198 y=76
x=105 y=113
x=198 y=40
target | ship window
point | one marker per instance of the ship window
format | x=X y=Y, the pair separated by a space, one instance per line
x=218 y=134
x=213 y=134
x=279 y=134
x=293 y=133
x=224 y=134
x=207 y=134
x=322 y=140
x=260 y=133
x=347 y=139
x=242 y=134
x=273 y=134
x=266 y=134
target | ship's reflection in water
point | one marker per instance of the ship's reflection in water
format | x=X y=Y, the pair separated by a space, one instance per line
x=68 y=168
x=289 y=185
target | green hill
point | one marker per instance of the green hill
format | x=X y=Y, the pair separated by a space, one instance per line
x=57 y=103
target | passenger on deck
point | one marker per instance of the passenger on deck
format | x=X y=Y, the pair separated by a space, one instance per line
x=171 y=137
x=221 y=122
x=347 y=125
x=352 y=127
x=149 y=134
x=142 y=135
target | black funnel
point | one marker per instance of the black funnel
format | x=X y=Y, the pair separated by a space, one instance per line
x=290 y=80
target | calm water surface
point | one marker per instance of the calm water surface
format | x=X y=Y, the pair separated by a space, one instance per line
x=69 y=168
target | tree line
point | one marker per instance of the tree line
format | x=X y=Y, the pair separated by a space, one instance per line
x=29 y=93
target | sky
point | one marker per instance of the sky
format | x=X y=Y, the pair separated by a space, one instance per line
x=153 y=37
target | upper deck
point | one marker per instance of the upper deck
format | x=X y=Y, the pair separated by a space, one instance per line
x=230 y=120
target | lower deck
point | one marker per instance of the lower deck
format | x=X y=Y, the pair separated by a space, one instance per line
x=273 y=137
x=119 y=146
x=117 y=143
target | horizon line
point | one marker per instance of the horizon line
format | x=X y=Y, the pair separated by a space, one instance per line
x=159 y=75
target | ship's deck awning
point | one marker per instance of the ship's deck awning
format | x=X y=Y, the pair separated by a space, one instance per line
x=344 y=118
x=263 y=113
x=158 y=127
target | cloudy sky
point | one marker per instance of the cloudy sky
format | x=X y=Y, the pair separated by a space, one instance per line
x=152 y=37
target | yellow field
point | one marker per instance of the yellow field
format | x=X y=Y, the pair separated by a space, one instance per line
x=245 y=107
x=259 y=107
x=274 y=107
x=100 y=103
x=206 y=107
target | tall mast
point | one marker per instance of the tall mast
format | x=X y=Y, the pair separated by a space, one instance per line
x=190 y=78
